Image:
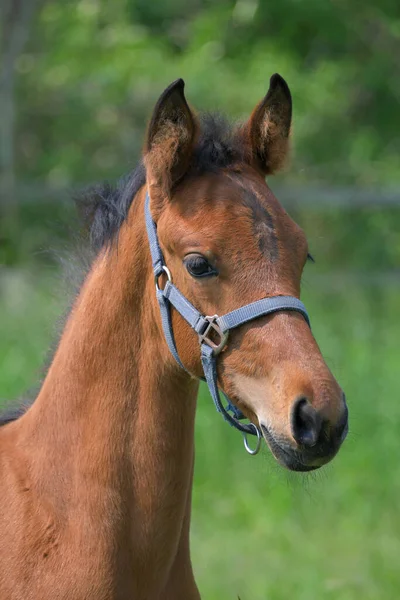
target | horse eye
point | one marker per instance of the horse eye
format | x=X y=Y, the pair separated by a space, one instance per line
x=198 y=266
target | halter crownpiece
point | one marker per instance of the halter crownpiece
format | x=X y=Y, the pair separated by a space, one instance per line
x=213 y=331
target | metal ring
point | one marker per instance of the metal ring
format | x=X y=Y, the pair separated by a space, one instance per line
x=246 y=444
x=168 y=274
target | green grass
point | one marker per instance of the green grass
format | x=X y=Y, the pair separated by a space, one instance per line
x=257 y=531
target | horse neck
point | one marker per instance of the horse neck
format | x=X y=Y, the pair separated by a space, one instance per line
x=114 y=409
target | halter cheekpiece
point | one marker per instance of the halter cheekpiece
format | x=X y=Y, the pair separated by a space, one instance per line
x=213 y=331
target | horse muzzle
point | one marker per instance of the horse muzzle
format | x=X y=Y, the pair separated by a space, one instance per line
x=313 y=442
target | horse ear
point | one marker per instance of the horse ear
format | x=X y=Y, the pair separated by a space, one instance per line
x=267 y=131
x=170 y=138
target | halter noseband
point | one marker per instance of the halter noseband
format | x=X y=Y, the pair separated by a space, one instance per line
x=208 y=327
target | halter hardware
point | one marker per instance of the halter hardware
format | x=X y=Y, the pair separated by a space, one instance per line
x=210 y=327
x=167 y=272
x=253 y=451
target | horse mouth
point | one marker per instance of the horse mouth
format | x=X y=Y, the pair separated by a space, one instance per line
x=289 y=459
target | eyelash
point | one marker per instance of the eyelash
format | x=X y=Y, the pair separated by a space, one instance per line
x=310 y=258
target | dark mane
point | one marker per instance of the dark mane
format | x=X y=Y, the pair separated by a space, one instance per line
x=104 y=207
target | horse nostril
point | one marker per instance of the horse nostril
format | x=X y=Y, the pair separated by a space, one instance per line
x=305 y=423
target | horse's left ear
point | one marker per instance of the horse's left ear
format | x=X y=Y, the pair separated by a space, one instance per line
x=267 y=131
x=170 y=139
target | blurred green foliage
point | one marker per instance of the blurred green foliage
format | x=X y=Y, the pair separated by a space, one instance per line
x=93 y=69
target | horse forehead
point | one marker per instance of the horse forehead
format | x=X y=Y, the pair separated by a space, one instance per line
x=266 y=208
x=216 y=202
x=222 y=195
x=270 y=224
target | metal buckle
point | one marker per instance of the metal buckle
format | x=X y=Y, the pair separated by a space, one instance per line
x=157 y=277
x=211 y=327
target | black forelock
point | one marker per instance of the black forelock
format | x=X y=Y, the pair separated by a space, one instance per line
x=218 y=146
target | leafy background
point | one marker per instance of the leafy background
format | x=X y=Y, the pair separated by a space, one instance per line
x=75 y=94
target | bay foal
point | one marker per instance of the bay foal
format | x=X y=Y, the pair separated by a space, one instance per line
x=96 y=475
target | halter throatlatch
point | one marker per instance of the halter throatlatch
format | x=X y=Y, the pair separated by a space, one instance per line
x=213 y=331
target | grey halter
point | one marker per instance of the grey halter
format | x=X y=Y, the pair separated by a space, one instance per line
x=207 y=328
